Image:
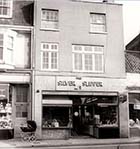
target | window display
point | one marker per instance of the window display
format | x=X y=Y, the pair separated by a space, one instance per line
x=134 y=110
x=54 y=117
x=5 y=115
x=102 y=112
x=106 y=116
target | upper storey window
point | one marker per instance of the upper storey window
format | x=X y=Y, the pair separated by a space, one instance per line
x=49 y=19
x=7 y=46
x=49 y=56
x=88 y=58
x=97 y=22
x=6 y=8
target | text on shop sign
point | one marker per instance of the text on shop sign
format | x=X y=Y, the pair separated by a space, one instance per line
x=83 y=83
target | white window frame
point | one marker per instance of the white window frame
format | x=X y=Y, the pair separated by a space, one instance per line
x=10 y=7
x=93 y=53
x=6 y=34
x=47 y=21
x=49 y=50
x=97 y=23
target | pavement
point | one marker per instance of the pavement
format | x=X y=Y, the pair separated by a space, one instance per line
x=18 y=143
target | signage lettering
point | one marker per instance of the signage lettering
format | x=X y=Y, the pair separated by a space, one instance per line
x=83 y=84
x=92 y=84
x=66 y=83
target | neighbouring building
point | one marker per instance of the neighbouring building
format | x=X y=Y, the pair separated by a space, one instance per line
x=16 y=30
x=79 y=70
x=132 y=55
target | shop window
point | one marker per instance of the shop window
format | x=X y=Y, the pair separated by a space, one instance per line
x=21 y=101
x=6 y=8
x=101 y=111
x=5 y=108
x=88 y=58
x=49 y=56
x=49 y=19
x=55 y=117
x=97 y=22
x=134 y=110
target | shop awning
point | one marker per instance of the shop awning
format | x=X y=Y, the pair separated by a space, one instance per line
x=59 y=102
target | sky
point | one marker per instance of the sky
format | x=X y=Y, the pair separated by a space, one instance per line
x=131 y=19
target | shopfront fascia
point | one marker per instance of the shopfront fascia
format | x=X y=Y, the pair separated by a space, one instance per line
x=86 y=97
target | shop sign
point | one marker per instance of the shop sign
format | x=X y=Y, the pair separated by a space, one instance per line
x=77 y=84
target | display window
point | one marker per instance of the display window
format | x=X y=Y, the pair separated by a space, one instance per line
x=101 y=111
x=56 y=117
x=134 y=110
x=5 y=108
x=56 y=112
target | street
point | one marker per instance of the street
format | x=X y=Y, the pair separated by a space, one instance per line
x=115 y=146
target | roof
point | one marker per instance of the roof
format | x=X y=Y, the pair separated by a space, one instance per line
x=132 y=60
x=134 y=45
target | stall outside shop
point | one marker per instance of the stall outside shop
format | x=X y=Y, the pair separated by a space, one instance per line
x=73 y=106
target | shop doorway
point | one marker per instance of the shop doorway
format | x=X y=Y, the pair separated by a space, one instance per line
x=93 y=115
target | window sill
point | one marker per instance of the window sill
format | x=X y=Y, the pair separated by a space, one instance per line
x=93 y=72
x=98 y=33
x=5 y=17
x=49 y=29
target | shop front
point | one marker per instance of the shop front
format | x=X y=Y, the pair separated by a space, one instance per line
x=13 y=91
x=133 y=90
x=75 y=107
x=6 y=124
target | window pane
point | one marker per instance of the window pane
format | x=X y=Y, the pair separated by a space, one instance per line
x=45 y=60
x=1 y=46
x=97 y=28
x=78 y=61
x=88 y=62
x=21 y=111
x=98 y=62
x=21 y=94
x=54 y=60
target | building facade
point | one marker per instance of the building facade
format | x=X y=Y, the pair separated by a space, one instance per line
x=16 y=30
x=79 y=70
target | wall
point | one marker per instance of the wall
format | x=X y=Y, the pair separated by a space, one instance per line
x=74 y=30
x=74 y=22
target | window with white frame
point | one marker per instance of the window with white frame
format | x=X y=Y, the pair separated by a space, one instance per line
x=49 y=56
x=7 y=40
x=97 y=22
x=88 y=58
x=49 y=19
x=6 y=8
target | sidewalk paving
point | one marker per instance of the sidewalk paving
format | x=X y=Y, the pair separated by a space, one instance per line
x=17 y=143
